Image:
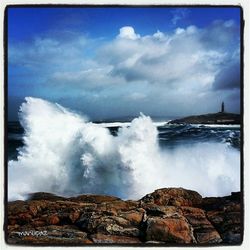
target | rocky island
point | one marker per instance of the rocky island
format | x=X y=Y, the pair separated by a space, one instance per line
x=168 y=216
x=214 y=118
x=221 y=117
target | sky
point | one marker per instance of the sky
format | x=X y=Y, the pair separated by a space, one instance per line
x=109 y=62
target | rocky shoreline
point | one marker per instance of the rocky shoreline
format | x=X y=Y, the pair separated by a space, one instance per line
x=168 y=216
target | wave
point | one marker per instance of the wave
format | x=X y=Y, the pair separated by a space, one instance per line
x=64 y=153
x=127 y=124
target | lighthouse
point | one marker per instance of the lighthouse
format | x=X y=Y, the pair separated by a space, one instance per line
x=222 y=107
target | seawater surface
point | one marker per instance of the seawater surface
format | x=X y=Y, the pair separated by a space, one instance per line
x=56 y=150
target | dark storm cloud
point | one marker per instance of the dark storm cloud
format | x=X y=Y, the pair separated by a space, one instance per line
x=228 y=78
x=220 y=35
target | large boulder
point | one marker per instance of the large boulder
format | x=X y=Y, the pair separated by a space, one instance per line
x=173 y=197
x=170 y=230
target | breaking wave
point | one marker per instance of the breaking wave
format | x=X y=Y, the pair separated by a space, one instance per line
x=64 y=153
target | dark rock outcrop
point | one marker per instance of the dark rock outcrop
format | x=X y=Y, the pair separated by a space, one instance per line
x=166 y=216
x=214 y=118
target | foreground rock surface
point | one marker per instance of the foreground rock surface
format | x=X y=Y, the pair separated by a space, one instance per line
x=166 y=216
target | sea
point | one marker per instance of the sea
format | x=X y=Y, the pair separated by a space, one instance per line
x=60 y=151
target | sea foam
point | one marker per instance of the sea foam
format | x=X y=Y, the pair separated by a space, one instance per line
x=65 y=154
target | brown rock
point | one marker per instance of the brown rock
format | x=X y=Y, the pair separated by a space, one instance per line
x=169 y=215
x=121 y=205
x=24 y=218
x=173 y=197
x=162 y=211
x=45 y=196
x=87 y=206
x=33 y=210
x=203 y=230
x=96 y=199
x=134 y=217
x=113 y=239
x=12 y=221
x=17 y=207
x=168 y=230
x=53 y=219
x=38 y=223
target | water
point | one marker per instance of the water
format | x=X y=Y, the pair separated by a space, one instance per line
x=56 y=150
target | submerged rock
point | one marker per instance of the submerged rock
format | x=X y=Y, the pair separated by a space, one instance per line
x=166 y=216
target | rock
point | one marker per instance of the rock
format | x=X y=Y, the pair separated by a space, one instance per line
x=96 y=199
x=74 y=216
x=24 y=218
x=45 y=196
x=134 y=217
x=113 y=239
x=167 y=211
x=214 y=118
x=122 y=205
x=203 y=230
x=168 y=230
x=53 y=219
x=155 y=242
x=173 y=197
x=115 y=229
x=17 y=207
x=33 y=210
x=168 y=215
x=38 y=223
x=225 y=215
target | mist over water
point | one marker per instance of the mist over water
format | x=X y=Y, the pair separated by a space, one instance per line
x=64 y=153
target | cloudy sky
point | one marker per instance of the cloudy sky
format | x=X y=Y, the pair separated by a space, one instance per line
x=117 y=62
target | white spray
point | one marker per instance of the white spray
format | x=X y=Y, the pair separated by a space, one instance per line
x=65 y=154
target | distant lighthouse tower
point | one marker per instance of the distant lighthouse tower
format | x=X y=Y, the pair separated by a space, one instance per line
x=222 y=107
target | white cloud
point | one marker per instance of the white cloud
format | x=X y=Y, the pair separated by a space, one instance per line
x=179 y=31
x=179 y=14
x=128 y=33
x=178 y=60
x=173 y=67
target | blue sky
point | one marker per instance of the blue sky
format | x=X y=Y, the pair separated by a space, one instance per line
x=114 y=62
